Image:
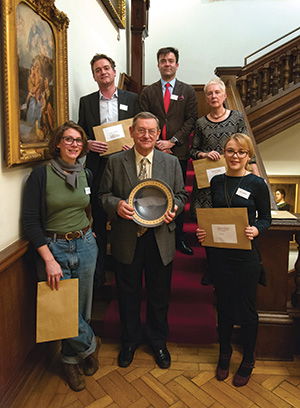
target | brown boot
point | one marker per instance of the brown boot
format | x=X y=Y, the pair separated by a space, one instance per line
x=222 y=370
x=91 y=363
x=243 y=374
x=74 y=377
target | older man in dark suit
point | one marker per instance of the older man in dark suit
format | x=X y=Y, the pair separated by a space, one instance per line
x=136 y=250
x=175 y=104
x=108 y=104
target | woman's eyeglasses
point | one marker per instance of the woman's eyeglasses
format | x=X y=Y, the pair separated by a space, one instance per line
x=70 y=140
x=240 y=153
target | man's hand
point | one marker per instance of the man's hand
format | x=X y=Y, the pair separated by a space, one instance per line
x=125 y=210
x=126 y=147
x=96 y=146
x=164 y=145
x=170 y=215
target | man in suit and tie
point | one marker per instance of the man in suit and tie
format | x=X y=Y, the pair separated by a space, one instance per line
x=108 y=104
x=137 y=249
x=175 y=105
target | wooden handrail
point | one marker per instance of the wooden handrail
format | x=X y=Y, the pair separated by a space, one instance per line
x=268 y=45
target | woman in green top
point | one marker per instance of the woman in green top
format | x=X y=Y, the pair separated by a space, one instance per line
x=56 y=222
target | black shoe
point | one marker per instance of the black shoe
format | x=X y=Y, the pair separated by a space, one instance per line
x=183 y=247
x=126 y=355
x=162 y=357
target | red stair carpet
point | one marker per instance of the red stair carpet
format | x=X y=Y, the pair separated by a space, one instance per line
x=191 y=312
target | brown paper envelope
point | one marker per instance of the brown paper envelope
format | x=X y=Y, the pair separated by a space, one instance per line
x=57 y=311
x=205 y=168
x=225 y=227
x=115 y=134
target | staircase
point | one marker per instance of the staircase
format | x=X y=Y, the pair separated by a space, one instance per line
x=269 y=88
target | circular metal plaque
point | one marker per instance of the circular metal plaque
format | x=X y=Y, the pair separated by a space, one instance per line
x=150 y=199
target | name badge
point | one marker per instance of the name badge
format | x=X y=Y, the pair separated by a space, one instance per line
x=87 y=190
x=243 y=193
x=174 y=97
x=123 y=107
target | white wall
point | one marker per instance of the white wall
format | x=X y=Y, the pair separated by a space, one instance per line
x=90 y=31
x=212 y=33
x=281 y=153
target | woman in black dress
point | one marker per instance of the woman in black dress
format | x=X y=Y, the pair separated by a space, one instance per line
x=236 y=272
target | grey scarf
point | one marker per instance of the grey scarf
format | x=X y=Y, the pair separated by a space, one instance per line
x=68 y=172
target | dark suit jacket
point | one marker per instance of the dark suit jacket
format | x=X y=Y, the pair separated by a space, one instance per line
x=119 y=179
x=89 y=116
x=181 y=116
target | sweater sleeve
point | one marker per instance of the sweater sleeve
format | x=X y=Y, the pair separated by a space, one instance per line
x=32 y=211
x=262 y=200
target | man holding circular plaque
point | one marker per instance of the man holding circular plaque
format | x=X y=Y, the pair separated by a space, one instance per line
x=147 y=248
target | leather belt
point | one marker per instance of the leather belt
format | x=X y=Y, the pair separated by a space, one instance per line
x=68 y=236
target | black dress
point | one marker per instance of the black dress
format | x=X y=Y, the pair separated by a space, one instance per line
x=235 y=271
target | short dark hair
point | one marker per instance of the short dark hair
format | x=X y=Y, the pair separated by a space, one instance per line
x=281 y=191
x=166 y=50
x=145 y=115
x=58 y=134
x=98 y=57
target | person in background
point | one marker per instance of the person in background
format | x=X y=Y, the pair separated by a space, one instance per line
x=56 y=222
x=174 y=103
x=108 y=104
x=236 y=272
x=280 y=200
x=138 y=249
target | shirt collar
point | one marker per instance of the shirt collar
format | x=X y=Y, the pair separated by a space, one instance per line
x=114 y=95
x=139 y=157
x=172 y=83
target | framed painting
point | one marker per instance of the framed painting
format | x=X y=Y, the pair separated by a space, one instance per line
x=35 y=77
x=117 y=11
x=287 y=188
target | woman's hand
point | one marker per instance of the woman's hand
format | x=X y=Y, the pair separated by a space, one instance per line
x=53 y=269
x=54 y=273
x=170 y=215
x=251 y=232
x=213 y=155
x=200 y=234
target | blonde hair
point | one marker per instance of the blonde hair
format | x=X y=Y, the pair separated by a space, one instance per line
x=215 y=81
x=245 y=142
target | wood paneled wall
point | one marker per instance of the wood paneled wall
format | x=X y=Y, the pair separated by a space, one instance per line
x=17 y=317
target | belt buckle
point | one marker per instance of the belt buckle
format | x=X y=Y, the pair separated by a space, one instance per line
x=72 y=235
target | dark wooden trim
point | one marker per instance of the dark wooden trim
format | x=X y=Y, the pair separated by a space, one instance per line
x=12 y=253
x=139 y=18
x=20 y=356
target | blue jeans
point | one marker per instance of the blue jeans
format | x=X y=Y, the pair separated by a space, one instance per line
x=77 y=259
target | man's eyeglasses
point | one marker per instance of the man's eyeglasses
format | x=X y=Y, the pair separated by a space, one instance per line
x=70 y=140
x=143 y=131
x=240 y=153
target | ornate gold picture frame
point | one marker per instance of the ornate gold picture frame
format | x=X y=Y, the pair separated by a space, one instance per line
x=117 y=11
x=35 y=77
